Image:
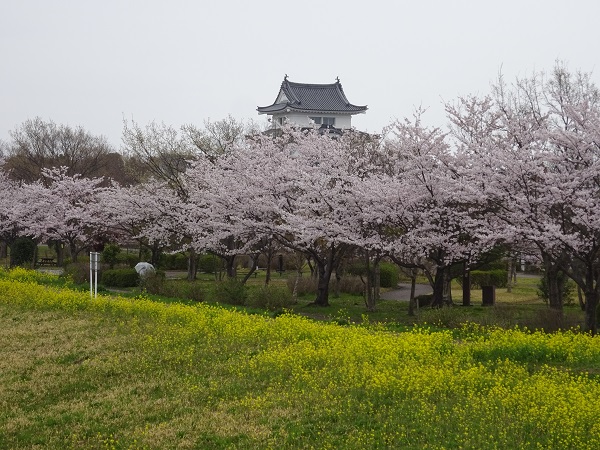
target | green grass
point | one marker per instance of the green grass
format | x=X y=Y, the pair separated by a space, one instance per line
x=522 y=307
x=135 y=373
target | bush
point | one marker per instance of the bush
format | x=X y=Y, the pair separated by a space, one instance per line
x=128 y=259
x=230 y=291
x=78 y=272
x=194 y=291
x=120 y=277
x=348 y=285
x=174 y=261
x=388 y=275
x=110 y=254
x=479 y=278
x=154 y=283
x=22 y=251
x=270 y=297
x=305 y=285
x=208 y=263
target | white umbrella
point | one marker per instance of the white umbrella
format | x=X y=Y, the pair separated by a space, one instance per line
x=144 y=269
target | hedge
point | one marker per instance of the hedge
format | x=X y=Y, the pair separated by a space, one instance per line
x=120 y=277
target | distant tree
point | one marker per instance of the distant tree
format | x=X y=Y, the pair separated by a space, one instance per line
x=219 y=137
x=158 y=151
x=38 y=145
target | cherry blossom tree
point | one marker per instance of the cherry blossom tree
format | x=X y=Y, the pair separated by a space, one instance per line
x=294 y=188
x=438 y=219
x=10 y=203
x=63 y=210
x=539 y=167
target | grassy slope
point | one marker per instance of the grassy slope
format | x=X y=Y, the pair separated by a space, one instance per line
x=118 y=373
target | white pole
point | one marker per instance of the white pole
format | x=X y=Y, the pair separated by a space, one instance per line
x=94 y=260
x=91 y=274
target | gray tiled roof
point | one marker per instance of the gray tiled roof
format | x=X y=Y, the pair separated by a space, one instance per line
x=325 y=98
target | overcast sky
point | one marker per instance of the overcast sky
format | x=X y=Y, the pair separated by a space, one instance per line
x=93 y=63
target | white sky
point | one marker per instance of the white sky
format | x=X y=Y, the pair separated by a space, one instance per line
x=93 y=63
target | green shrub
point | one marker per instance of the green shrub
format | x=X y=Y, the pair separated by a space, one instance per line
x=304 y=285
x=22 y=251
x=128 y=259
x=78 y=272
x=479 y=278
x=174 y=261
x=120 y=277
x=110 y=254
x=270 y=297
x=154 y=283
x=230 y=291
x=195 y=291
x=348 y=285
x=388 y=275
x=208 y=263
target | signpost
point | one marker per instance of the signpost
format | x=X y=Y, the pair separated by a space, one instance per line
x=94 y=263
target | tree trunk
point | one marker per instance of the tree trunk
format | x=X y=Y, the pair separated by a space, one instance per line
x=249 y=274
x=324 y=270
x=313 y=272
x=413 y=285
x=269 y=256
x=591 y=305
x=230 y=266
x=73 y=250
x=580 y=298
x=509 y=274
x=3 y=249
x=155 y=255
x=377 y=280
x=551 y=270
x=466 y=286
x=35 y=257
x=554 y=291
x=338 y=284
x=59 y=248
x=192 y=265
x=369 y=299
x=438 y=287
x=447 y=287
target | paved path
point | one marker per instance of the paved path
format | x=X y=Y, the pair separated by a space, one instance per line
x=403 y=292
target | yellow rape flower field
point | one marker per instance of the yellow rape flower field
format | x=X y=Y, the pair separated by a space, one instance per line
x=132 y=373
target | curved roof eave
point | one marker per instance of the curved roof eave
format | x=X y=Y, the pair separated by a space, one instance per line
x=353 y=109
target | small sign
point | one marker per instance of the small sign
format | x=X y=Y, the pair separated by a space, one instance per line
x=94 y=260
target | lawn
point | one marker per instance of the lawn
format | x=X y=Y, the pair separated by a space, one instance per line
x=135 y=373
